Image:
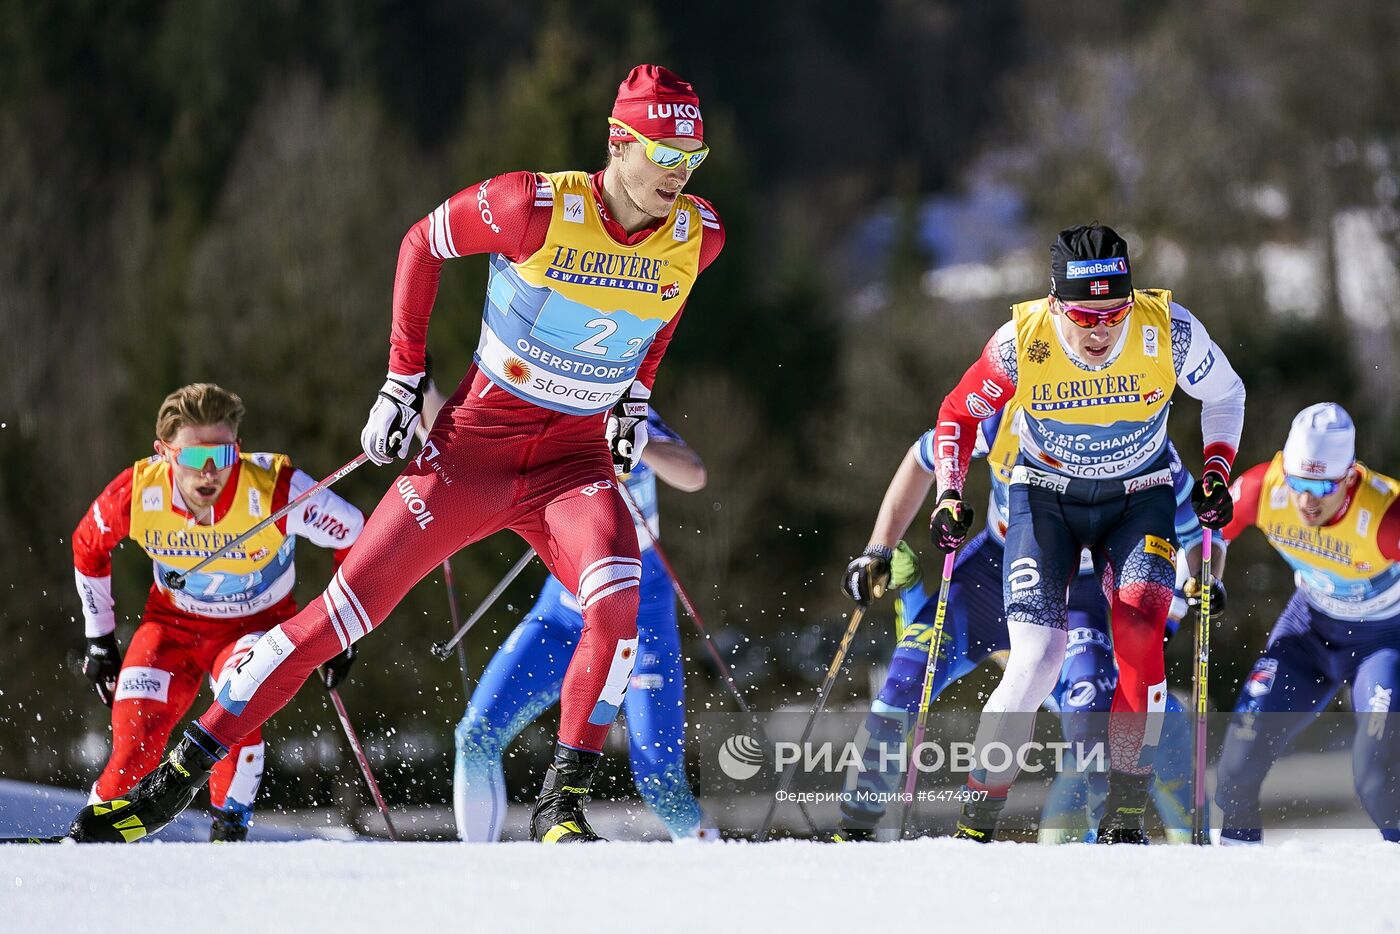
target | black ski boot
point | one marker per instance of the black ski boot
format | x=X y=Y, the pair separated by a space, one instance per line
x=979 y=819
x=558 y=816
x=156 y=800
x=1125 y=809
x=230 y=823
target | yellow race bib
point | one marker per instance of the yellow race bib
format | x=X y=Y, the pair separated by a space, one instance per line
x=1109 y=422
x=569 y=326
x=242 y=579
x=1339 y=567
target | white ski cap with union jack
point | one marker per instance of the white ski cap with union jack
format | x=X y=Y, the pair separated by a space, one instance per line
x=1321 y=443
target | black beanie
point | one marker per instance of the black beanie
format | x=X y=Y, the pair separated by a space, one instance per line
x=1088 y=262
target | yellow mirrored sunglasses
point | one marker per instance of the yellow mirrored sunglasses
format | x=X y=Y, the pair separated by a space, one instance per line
x=668 y=157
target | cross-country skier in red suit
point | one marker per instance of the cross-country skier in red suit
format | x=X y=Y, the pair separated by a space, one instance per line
x=588 y=277
x=198 y=492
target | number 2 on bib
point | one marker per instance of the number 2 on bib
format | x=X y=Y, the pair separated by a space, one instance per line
x=594 y=345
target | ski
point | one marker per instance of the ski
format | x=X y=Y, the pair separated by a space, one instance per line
x=59 y=839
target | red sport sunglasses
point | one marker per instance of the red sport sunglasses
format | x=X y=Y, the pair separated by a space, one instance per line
x=1093 y=317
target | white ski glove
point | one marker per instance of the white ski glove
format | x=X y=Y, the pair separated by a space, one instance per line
x=626 y=432
x=393 y=418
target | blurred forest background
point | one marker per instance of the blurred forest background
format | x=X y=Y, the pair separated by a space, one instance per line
x=205 y=190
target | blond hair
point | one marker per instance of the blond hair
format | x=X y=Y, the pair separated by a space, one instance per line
x=198 y=404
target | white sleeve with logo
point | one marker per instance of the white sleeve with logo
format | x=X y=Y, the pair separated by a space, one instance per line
x=1205 y=373
x=95 y=594
x=325 y=519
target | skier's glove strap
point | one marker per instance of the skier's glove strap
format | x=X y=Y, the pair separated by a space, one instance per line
x=626 y=430
x=951 y=521
x=393 y=418
x=867 y=576
x=1211 y=500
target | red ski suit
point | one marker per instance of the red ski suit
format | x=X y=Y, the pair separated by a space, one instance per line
x=493 y=461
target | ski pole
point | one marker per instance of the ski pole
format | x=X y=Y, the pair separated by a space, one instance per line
x=694 y=615
x=911 y=781
x=443 y=649
x=827 y=683
x=361 y=759
x=686 y=602
x=456 y=623
x=1200 y=835
x=175 y=580
x=433 y=403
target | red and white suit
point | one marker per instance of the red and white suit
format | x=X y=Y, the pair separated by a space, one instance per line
x=576 y=311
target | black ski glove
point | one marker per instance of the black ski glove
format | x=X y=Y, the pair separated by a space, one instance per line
x=337 y=669
x=867 y=576
x=1212 y=502
x=101 y=665
x=951 y=521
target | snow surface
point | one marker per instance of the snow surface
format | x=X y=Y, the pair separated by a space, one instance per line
x=926 y=885
x=43 y=810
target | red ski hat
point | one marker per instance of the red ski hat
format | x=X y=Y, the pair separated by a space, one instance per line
x=657 y=103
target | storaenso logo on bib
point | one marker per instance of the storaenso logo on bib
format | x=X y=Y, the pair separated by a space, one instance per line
x=576 y=394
